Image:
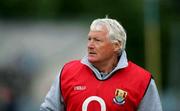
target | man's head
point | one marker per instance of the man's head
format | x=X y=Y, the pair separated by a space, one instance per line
x=116 y=31
x=106 y=39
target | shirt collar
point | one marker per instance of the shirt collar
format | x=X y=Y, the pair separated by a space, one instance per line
x=122 y=63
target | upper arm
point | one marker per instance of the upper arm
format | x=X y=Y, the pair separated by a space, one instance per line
x=53 y=101
x=151 y=100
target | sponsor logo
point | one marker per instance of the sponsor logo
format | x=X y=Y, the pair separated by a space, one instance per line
x=79 y=88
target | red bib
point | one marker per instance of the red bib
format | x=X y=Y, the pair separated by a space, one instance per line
x=123 y=91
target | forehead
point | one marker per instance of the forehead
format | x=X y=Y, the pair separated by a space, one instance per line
x=99 y=30
x=99 y=27
x=97 y=33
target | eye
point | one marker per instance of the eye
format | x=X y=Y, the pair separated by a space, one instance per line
x=89 y=39
x=98 y=40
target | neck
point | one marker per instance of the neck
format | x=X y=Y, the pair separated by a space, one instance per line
x=107 y=66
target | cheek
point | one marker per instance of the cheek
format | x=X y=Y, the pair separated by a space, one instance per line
x=107 y=50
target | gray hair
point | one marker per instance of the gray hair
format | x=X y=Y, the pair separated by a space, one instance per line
x=116 y=31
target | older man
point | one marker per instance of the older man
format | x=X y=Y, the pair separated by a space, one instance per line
x=104 y=80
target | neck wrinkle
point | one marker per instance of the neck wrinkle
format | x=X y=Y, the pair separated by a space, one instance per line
x=108 y=66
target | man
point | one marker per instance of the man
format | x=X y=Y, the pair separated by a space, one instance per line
x=104 y=80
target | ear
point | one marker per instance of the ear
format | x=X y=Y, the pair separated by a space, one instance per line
x=117 y=46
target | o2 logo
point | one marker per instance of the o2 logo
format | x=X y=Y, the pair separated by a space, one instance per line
x=94 y=98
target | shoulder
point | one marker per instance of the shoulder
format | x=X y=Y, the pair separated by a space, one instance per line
x=71 y=70
x=73 y=62
x=138 y=71
x=72 y=66
x=136 y=67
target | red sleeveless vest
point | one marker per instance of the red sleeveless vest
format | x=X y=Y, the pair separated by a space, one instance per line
x=123 y=91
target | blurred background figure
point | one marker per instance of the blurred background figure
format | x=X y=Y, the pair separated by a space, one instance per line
x=37 y=37
x=31 y=56
x=15 y=80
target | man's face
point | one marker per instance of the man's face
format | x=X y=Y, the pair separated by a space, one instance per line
x=100 y=48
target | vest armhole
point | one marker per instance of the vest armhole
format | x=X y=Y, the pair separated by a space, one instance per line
x=147 y=86
x=60 y=88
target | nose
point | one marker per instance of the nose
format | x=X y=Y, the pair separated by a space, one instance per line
x=90 y=44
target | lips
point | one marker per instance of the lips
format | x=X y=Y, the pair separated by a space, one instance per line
x=92 y=53
x=92 y=56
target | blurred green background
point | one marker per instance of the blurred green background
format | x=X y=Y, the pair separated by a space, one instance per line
x=38 y=36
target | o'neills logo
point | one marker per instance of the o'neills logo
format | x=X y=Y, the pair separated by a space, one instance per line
x=120 y=96
x=79 y=88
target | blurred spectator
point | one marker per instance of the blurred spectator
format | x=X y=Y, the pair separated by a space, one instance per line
x=15 y=81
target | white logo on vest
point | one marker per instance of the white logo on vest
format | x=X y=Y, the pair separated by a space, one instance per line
x=94 y=98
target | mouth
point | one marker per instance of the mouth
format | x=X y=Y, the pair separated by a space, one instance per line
x=91 y=53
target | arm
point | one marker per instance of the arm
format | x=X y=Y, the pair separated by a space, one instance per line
x=53 y=100
x=151 y=100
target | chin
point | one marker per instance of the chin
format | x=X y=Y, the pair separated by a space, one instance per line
x=92 y=60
